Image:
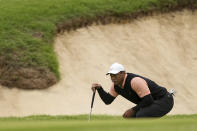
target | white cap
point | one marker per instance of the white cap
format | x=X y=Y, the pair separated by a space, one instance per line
x=115 y=68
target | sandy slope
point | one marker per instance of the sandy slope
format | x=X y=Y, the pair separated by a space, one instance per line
x=162 y=47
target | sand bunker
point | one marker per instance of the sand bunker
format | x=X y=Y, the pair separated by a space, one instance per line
x=162 y=48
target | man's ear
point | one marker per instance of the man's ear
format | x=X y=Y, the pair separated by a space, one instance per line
x=122 y=72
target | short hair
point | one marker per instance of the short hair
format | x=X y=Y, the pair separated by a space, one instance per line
x=122 y=71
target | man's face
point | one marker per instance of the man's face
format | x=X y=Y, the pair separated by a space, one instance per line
x=117 y=79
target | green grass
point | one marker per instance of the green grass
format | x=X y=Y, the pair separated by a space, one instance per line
x=21 y=20
x=98 y=122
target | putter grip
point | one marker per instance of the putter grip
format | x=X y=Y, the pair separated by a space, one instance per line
x=93 y=99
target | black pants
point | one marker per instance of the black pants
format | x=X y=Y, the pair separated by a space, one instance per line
x=159 y=108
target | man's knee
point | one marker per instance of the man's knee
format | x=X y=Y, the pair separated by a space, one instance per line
x=144 y=114
x=141 y=114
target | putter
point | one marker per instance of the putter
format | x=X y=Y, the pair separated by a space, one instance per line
x=92 y=105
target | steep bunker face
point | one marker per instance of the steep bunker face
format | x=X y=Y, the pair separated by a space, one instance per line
x=161 y=47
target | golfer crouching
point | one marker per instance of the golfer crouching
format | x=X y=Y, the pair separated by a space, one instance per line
x=151 y=99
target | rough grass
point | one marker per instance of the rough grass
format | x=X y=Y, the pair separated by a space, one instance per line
x=28 y=27
x=98 y=122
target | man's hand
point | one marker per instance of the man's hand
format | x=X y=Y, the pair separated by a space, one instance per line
x=129 y=113
x=95 y=86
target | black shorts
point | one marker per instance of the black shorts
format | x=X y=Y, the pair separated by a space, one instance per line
x=159 y=108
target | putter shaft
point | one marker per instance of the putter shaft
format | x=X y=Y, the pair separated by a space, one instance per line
x=92 y=105
x=90 y=114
